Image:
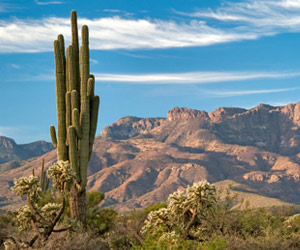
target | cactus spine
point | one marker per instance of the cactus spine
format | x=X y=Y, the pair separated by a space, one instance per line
x=77 y=112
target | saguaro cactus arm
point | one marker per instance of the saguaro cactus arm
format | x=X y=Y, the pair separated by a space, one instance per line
x=60 y=101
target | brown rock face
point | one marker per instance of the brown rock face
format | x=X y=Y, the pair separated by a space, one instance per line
x=221 y=114
x=184 y=113
x=138 y=161
x=128 y=127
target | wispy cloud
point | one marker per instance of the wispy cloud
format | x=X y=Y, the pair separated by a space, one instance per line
x=5 y=6
x=248 y=92
x=30 y=78
x=262 y=17
x=113 y=33
x=94 y=61
x=191 y=77
x=133 y=55
x=15 y=66
x=185 y=78
x=47 y=2
x=112 y=10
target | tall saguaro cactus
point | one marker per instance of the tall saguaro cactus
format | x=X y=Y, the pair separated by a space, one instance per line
x=77 y=112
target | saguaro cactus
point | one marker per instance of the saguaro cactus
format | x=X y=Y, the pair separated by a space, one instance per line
x=77 y=112
x=44 y=180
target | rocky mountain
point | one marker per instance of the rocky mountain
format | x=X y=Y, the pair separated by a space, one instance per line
x=10 y=151
x=138 y=161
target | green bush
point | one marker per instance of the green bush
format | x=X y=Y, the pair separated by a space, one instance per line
x=99 y=220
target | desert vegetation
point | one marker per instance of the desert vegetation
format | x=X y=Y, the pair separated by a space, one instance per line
x=199 y=217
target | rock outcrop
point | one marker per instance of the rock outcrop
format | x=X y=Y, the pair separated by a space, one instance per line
x=129 y=127
x=185 y=113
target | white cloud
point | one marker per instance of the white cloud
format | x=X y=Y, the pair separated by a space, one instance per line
x=191 y=77
x=113 y=33
x=112 y=10
x=47 y=2
x=262 y=17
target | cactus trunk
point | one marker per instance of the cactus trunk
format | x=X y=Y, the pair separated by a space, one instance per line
x=77 y=201
x=77 y=113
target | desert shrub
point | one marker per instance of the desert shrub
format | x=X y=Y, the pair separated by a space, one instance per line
x=223 y=220
x=125 y=231
x=154 y=207
x=255 y=222
x=271 y=242
x=76 y=241
x=99 y=220
x=7 y=227
x=170 y=241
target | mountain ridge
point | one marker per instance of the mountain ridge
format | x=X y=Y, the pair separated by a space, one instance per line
x=138 y=161
x=11 y=151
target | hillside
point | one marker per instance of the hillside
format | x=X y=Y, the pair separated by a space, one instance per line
x=138 y=161
x=11 y=151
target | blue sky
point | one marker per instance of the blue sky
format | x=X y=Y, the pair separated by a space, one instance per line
x=149 y=56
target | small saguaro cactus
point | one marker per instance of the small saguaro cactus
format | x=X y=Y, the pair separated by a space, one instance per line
x=44 y=180
x=77 y=112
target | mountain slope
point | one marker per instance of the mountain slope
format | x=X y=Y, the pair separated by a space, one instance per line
x=138 y=161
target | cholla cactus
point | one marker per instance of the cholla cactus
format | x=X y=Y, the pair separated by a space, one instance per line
x=24 y=216
x=27 y=185
x=61 y=172
x=50 y=210
x=171 y=237
x=157 y=219
x=42 y=218
x=185 y=212
x=11 y=244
